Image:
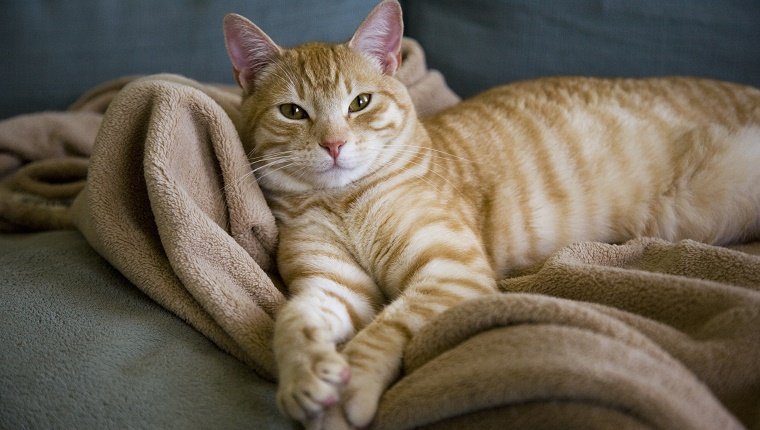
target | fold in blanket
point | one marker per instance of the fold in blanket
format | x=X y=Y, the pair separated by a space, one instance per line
x=169 y=202
x=43 y=166
x=647 y=334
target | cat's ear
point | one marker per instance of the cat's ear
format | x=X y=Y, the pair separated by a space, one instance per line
x=249 y=48
x=379 y=35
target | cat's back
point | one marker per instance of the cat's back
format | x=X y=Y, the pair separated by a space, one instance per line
x=580 y=116
x=555 y=160
x=552 y=126
x=680 y=98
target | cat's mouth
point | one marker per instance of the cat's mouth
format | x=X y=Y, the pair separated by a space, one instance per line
x=337 y=173
x=336 y=165
x=335 y=169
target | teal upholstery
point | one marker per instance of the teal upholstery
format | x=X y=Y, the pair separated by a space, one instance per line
x=82 y=348
x=52 y=51
x=481 y=43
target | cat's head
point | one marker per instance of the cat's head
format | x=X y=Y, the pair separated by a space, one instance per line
x=321 y=115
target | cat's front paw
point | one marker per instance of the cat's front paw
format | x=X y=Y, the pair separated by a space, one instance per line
x=311 y=383
x=334 y=419
x=361 y=397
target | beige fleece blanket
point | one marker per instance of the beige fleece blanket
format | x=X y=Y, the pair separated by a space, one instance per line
x=647 y=334
x=641 y=335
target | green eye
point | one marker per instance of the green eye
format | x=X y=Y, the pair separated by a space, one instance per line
x=293 y=111
x=360 y=102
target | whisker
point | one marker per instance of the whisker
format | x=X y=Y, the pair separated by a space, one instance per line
x=422 y=176
x=270 y=156
x=416 y=159
x=437 y=152
x=451 y=184
x=433 y=156
x=279 y=168
x=300 y=172
x=273 y=162
x=248 y=174
x=278 y=152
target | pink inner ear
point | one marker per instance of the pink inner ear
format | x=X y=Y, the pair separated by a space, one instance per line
x=379 y=35
x=250 y=49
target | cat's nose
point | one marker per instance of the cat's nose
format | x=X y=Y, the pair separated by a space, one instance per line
x=333 y=147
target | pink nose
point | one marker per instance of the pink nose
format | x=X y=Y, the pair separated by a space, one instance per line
x=333 y=147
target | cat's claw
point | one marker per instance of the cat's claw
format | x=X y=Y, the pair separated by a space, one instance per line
x=336 y=372
x=310 y=386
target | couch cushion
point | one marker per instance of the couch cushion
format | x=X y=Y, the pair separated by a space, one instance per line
x=53 y=51
x=83 y=348
x=481 y=43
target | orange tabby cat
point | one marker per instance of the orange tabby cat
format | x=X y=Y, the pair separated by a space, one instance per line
x=387 y=220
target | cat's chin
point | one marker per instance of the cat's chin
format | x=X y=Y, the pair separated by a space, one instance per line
x=330 y=178
x=337 y=176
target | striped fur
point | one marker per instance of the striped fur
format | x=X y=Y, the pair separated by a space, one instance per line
x=415 y=216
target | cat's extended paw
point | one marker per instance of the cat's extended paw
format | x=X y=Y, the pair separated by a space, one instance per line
x=331 y=419
x=311 y=384
x=334 y=419
x=361 y=397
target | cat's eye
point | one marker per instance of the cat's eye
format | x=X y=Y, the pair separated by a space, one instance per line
x=293 y=111
x=360 y=102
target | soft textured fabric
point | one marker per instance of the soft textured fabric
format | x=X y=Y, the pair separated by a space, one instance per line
x=169 y=203
x=82 y=348
x=648 y=334
x=596 y=356
x=481 y=43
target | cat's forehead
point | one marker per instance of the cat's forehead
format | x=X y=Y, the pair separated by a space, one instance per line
x=325 y=68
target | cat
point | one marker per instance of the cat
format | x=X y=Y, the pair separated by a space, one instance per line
x=386 y=220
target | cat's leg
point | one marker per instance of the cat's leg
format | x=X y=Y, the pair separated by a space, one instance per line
x=713 y=195
x=322 y=313
x=438 y=282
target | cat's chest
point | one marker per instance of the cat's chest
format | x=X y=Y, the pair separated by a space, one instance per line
x=369 y=224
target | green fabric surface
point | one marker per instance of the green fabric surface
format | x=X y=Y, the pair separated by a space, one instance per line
x=481 y=43
x=83 y=348
x=52 y=51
